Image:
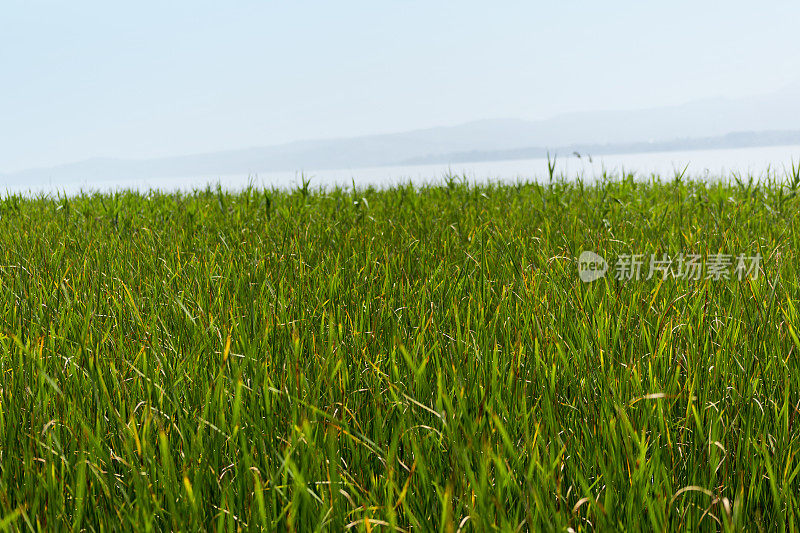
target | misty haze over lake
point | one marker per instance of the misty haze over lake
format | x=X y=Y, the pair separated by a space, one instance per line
x=708 y=163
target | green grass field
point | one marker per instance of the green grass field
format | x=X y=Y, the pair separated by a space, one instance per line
x=416 y=358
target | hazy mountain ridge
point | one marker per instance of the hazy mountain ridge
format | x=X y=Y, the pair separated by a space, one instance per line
x=743 y=139
x=763 y=120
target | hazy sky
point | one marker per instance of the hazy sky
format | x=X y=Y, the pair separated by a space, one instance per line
x=81 y=79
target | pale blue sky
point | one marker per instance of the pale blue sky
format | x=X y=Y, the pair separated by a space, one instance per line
x=85 y=79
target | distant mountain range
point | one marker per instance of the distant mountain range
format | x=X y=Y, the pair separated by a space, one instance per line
x=743 y=139
x=719 y=123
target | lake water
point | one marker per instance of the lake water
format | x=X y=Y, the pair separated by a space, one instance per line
x=703 y=163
